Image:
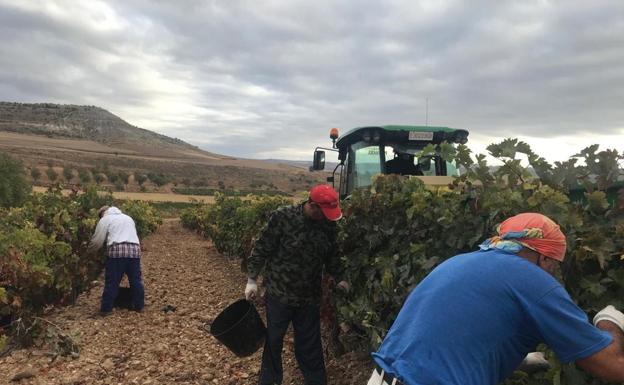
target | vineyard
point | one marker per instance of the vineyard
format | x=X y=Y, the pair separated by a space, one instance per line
x=232 y=223
x=43 y=259
x=392 y=236
x=397 y=231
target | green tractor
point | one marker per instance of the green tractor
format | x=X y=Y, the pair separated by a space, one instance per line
x=366 y=151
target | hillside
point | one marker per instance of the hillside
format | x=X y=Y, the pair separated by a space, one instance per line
x=90 y=140
x=88 y=123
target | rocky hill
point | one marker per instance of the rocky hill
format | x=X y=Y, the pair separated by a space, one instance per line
x=83 y=122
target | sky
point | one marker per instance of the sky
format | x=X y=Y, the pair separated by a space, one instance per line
x=268 y=79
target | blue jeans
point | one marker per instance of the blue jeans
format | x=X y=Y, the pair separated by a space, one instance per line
x=308 y=349
x=115 y=269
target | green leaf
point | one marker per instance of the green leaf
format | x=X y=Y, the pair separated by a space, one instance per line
x=597 y=201
x=4 y=299
x=463 y=156
x=505 y=149
x=3 y=342
x=447 y=151
x=595 y=288
x=429 y=150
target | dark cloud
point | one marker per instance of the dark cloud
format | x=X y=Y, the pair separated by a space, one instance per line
x=258 y=79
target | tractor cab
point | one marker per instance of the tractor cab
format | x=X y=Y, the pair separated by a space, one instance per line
x=366 y=151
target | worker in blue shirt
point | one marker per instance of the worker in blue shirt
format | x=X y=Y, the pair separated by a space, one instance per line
x=474 y=318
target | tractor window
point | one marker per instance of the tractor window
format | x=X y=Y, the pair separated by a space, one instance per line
x=366 y=163
x=427 y=166
x=432 y=166
x=451 y=169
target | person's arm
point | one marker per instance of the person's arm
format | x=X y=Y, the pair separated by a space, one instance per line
x=333 y=264
x=565 y=328
x=264 y=247
x=99 y=237
x=608 y=364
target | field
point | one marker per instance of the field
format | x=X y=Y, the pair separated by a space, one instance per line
x=183 y=270
x=174 y=167
x=148 y=197
x=393 y=234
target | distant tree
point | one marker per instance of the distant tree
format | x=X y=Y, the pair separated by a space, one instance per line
x=68 y=173
x=14 y=188
x=101 y=168
x=158 y=179
x=52 y=175
x=99 y=178
x=112 y=177
x=104 y=168
x=35 y=173
x=186 y=181
x=119 y=185
x=84 y=175
x=200 y=182
x=50 y=163
x=124 y=177
x=221 y=185
x=140 y=178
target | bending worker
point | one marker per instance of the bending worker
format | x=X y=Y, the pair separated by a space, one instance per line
x=118 y=231
x=474 y=318
x=296 y=245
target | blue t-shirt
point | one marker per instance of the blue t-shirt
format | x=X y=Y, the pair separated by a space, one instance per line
x=474 y=318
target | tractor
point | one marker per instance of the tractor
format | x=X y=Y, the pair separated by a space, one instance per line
x=366 y=151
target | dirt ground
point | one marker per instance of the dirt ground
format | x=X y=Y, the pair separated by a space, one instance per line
x=183 y=270
x=148 y=197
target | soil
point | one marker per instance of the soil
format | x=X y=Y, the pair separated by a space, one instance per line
x=183 y=270
x=148 y=197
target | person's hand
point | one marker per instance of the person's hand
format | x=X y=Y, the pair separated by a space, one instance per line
x=610 y=314
x=251 y=290
x=344 y=285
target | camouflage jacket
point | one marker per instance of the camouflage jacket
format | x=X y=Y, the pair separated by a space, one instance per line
x=291 y=254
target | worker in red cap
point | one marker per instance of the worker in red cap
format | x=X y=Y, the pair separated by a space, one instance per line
x=476 y=316
x=296 y=246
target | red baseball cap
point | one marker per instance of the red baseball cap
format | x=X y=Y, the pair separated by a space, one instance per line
x=327 y=199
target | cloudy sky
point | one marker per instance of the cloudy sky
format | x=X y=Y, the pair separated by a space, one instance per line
x=270 y=78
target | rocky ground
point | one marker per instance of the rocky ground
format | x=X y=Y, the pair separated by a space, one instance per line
x=184 y=271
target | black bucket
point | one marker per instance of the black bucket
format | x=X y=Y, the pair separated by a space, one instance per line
x=124 y=298
x=240 y=328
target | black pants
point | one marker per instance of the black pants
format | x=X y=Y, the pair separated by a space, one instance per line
x=308 y=348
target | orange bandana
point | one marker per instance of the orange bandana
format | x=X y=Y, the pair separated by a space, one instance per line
x=534 y=231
